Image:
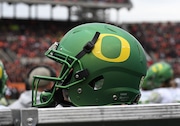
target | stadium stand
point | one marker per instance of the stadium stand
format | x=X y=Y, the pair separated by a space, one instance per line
x=91 y=3
x=94 y=10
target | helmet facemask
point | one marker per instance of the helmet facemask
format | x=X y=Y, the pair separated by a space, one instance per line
x=62 y=82
x=50 y=97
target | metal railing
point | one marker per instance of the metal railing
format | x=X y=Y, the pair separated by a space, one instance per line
x=141 y=115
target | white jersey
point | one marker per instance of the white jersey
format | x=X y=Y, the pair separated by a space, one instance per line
x=165 y=95
x=145 y=94
x=176 y=97
x=25 y=100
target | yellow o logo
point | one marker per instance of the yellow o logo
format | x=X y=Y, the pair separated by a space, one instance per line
x=158 y=67
x=124 y=54
x=1 y=72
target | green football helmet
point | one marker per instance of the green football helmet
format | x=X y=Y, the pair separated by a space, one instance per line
x=3 y=79
x=101 y=65
x=157 y=74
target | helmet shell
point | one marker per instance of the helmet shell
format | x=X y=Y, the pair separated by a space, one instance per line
x=157 y=74
x=117 y=63
x=3 y=79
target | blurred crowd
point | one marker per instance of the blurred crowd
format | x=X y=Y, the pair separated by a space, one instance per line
x=30 y=39
x=26 y=40
x=160 y=40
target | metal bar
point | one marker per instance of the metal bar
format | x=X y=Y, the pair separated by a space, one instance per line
x=72 y=3
x=109 y=113
x=6 y=117
x=125 y=115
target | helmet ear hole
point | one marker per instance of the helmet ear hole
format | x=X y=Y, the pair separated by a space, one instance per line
x=97 y=83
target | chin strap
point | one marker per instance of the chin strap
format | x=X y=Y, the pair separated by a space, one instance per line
x=60 y=100
x=88 y=47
